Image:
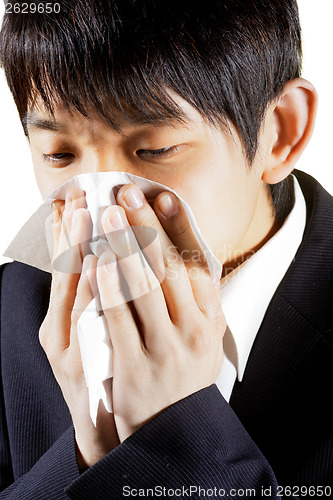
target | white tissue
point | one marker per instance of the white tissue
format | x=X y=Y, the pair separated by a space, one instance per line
x=33 y=246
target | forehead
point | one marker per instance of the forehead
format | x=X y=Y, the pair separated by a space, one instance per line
x=62 y=120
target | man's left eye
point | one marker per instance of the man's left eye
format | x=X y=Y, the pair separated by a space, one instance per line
x=157 y=153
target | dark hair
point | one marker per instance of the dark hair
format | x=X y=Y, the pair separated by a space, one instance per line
x=227 y=58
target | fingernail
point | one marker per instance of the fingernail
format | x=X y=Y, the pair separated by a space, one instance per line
x=117 y=220
x=133 y=197
x=55 y=214
x=168 y=205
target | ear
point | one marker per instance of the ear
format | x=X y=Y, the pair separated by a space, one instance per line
x=288 y=127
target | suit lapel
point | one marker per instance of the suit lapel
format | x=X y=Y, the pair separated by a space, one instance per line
x=291 y=354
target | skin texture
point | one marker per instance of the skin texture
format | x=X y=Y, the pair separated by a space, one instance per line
x=167 y=343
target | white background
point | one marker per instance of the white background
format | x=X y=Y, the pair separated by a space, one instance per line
x=19 y=195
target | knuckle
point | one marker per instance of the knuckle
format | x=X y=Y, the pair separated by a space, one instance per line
x=42 y=335
x=209 y=309
x=179 y=230
x=173 y=265
x=45 y=340
x=197 y=261
x=62 y=293
x=141 y=288
x=184 y=314
x=59 y=294
x=169 y=261
x=114 y=288
x=213 y=311
x=145 y=285
x=216 y=316
x=219 y=320
x=120 y=313
x=147 y=217
x=199 y=341
x=202 y=263
x=114 y=298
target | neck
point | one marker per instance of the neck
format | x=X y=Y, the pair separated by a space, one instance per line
x=262 y=228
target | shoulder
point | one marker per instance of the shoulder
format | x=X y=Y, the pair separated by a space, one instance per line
x=318 y=200
x=308 y=284
x=22 y=288
x=19 y=274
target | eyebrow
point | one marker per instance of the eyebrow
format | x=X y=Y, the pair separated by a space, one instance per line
x=33 y=121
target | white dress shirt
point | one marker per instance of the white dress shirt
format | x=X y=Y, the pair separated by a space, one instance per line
x=246 y=296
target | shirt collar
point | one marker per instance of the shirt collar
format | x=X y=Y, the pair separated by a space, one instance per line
x=246 y=296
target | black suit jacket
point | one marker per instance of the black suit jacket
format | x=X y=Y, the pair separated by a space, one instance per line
x=276 y=430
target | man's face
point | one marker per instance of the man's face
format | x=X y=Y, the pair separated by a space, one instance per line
x=204 y=165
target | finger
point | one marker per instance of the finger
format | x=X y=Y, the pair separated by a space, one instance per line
x=162 y=255
x=75 y=199
x=131 y=260
x=125 y=336
x=174 y=219
x=144 y=223
x=86 y=292
x=44 y=332
x=81 y=237
x=57 y=210
x=143 y=286
x=207 y=294
x=65 y=278
x=73 y=246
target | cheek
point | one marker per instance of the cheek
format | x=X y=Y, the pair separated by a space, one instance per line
x=225 y=217
x=223 y=200
x=40 y=174
x=48 y=179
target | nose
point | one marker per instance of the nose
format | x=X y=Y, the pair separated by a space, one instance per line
x=110 y=160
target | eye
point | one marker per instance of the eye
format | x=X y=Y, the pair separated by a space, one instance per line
x=59 y=157
x=157 y=153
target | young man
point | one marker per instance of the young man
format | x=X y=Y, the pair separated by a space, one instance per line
x=207 y=99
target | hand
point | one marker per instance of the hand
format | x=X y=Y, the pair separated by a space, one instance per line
x=167 y=343
x=71 y=292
